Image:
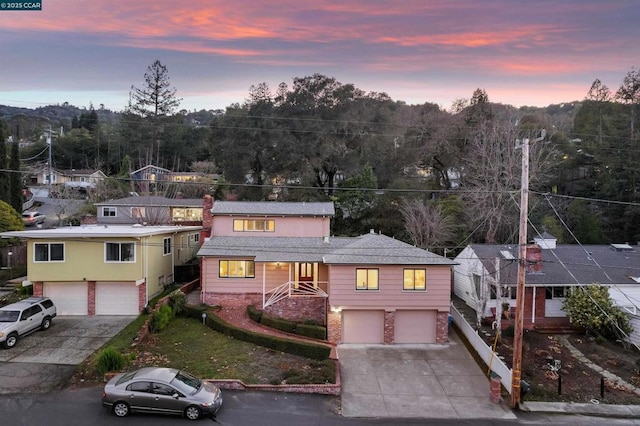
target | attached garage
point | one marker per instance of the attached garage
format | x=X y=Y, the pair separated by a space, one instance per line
x=116 y=298
x=363 y=326
x=70 y=298
x=417 y=326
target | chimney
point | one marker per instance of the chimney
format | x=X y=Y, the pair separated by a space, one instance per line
x=207 y=218
x=534 y=259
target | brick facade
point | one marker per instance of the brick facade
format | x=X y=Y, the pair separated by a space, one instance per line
x=334 y=327
x=442 y=328
x=142 y=296
x=91 y=294
x=389 y=328
x=38 y=289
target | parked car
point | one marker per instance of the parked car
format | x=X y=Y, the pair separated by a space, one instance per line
x=33 y=218
x=161 y=390
x=24 y=317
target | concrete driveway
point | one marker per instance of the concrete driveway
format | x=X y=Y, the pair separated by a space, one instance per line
x=416 y=381
x=44 y=360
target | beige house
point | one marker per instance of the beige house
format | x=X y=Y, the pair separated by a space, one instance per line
x=106 y=269
x=281 y=257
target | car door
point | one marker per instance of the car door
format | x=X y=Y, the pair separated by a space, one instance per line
x=138 y=396
x=166 y=399
x=30 y=319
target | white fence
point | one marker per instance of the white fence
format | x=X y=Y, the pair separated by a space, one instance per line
x=484 y=351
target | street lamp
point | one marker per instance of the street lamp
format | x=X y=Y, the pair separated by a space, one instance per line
x=9 y=254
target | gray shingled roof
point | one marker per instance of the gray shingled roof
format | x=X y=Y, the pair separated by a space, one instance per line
x=374 y=249
x=272 y=208
x=567 y=264
x=153 y=201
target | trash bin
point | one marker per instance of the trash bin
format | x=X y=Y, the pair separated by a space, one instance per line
x=450 y=319
x=525 y=388
x=495 y=387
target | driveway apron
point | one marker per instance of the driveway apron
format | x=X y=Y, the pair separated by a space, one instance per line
x=415 y=381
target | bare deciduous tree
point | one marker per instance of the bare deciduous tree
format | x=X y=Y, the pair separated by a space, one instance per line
x=427 y=225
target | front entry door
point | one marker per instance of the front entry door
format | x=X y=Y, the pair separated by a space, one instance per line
x=305 y=273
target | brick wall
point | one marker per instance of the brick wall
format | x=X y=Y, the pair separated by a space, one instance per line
x=334 y=327
x=91 y=296
x=38 y=288
x=389 y=328
x=442 y=328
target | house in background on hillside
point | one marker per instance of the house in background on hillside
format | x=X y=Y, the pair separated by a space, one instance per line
x=485 y=277
x=73 y=178
x=105 y=269
x=151 y=210
x=153 y=179
x=281 y=257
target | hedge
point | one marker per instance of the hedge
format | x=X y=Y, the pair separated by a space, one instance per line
x=254 y=313
x=313 y=331
x=294 y=347
x=279 y=324
x=308 y=328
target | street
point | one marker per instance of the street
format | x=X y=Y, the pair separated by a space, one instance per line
x=82 y=406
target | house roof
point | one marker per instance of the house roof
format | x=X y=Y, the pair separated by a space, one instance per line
x=98 y=231
x=150 y=166
x=566 y=264
x=82 y=172
x=272 y=208
x=366 y=249
x=153 y=201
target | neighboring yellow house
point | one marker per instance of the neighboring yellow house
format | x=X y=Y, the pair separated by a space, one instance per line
x=105 y=269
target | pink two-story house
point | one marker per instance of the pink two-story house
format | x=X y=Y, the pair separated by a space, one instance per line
x=281 y=257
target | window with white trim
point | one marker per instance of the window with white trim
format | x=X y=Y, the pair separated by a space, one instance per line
x=367 y=279
x=237 y=269
x=48 y=252
x=119 y=252
x=194 y=239
x=415 y=279
x=109 y=212
x=166 y=246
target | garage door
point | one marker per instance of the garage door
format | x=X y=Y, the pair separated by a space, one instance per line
x=116 y=298
x=415 y=327
x=69 y=298
x=363 y=326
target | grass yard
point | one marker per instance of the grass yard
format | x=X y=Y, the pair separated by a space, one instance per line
x=188 y=344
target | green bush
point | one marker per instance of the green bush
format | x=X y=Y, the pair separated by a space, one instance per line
x=254 y=313
x=308 y=350
x=279 y=324
x=313 y=331
x=160 y=319
x=177 y=301
x=109 y=359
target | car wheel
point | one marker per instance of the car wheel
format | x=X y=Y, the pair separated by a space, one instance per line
x=46 y=323
x=121 y=409
x=192 y=412
x=11 y=341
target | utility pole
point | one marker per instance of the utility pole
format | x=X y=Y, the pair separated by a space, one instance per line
x=516 y=369
x=50 y=164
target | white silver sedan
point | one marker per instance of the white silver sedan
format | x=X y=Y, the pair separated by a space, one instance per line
x=163 y=391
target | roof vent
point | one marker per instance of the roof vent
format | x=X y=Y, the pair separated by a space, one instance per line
x=621 y=247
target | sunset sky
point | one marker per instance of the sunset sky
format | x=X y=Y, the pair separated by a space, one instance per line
x=521 y=52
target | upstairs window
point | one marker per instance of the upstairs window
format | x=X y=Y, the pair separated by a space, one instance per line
x=120 y=252
x=254 y=225
x=367 y=279
x=48 y=252
x=109 y=211
x=166 y=246
x=415 y=279
x=237 y=269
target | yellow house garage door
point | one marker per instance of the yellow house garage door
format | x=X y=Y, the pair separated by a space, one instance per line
x=116 y=298
x=70 y=298
x=362 y=326
x=415 y=326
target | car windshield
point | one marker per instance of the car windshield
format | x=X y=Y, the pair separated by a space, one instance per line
x=186 y=383
x=9 y=316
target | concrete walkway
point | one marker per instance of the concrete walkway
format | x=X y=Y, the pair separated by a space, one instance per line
x=415 y=381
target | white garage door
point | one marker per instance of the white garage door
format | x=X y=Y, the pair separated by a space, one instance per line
x=116 y=298
x=415 y=326
x=69 y=298
x=362 y=326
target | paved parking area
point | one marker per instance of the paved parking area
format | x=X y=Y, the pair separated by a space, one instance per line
x=415 y=381
x=45 y=360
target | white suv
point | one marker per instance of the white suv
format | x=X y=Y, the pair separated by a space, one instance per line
x=24 y=317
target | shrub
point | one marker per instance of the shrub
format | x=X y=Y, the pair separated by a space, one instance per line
x=308 y=350
x=254 y=313
x=279 y=324
x=313 y=331
x=177 y=301
x=509 y=331
x=110 y=359
x=160 y=319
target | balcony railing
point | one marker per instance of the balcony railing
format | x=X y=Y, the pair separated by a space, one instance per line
x=290 y=289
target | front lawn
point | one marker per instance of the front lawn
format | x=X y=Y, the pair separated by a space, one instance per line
x=188 y=344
